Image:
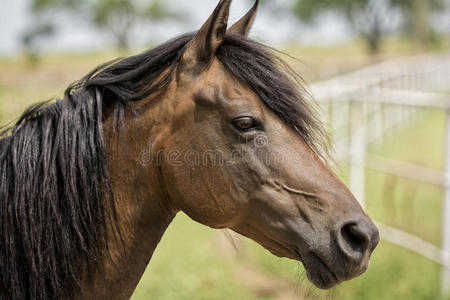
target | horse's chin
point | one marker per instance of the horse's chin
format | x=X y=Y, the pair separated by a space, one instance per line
x=319 y=273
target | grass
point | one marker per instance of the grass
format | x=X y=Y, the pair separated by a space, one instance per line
x=194 y=262
x=322 y=62
x=187 y=264
x=406 y=204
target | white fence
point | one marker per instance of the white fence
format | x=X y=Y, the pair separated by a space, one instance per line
x=365 y=106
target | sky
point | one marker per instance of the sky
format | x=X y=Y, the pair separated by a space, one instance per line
x=74 y=34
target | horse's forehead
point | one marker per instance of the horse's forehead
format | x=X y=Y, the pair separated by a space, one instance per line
x=218 y=78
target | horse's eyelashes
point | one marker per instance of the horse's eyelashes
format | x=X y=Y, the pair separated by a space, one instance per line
x=245 y=124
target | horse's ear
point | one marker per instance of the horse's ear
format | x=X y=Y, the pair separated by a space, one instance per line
x=202 y=48
x=243 y=26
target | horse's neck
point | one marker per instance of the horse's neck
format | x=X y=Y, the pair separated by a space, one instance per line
x=142 y=205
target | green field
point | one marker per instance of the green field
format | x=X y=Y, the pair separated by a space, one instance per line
x=195 y=262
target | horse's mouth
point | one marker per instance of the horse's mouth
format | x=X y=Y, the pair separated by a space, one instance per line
x=318 y=272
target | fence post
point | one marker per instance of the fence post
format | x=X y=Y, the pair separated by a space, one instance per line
x=357 y=151
x=445 y=274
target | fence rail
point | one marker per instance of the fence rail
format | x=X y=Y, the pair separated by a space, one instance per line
x=377 y=101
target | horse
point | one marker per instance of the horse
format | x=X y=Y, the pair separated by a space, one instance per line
x=212 y=124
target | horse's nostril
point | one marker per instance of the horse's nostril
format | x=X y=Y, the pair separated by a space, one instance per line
x=357 y=238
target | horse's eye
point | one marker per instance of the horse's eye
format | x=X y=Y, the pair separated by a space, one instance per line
x=245 y=123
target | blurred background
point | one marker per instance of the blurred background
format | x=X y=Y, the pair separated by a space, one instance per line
x=380 y=73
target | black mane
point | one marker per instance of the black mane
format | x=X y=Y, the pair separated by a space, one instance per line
x=55 y=195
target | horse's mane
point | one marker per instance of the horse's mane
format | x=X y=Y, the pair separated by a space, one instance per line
x=56 y=202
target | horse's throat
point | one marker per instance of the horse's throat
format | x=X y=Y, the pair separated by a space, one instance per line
x=131 y=256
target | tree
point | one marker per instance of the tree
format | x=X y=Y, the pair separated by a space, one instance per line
x=367 y=17
x=39 y=31
x=370 y=18
x=417 y=18
x=118 y=17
